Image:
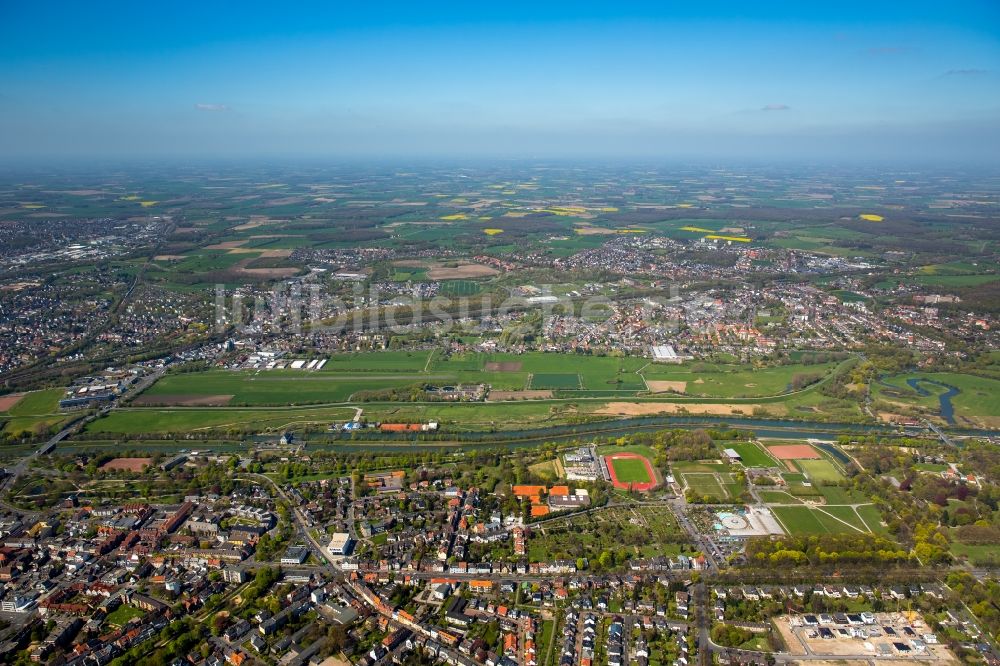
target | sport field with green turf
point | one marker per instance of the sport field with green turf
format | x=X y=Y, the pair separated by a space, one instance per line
x=459 y=288
x=798 y=520
x=873 y=518
x=631 y=470
x=705 y=485
x=777 y=497
x=838 y=495
x=751 y=453
x=846 y=514
x=819 y=470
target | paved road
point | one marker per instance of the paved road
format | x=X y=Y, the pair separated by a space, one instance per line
x=301 y=525
x=705 y=545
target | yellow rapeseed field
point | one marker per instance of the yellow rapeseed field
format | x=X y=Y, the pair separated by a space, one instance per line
x=739 y=239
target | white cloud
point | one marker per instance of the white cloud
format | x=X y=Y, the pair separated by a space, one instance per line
x=776 y=107
x=201 y=106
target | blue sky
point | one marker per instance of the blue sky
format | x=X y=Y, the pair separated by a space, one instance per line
x=743 y=80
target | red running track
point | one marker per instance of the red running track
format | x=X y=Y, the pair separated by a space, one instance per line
x=634 y=485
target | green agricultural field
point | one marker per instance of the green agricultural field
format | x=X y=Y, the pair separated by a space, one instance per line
x=555 y=380
x=819 y=470
x=282 y=387
x=797 y=243
x=951 y=268
x=409 y=274
x=734 y=381
x=191 y=419
x=465 y=362
x=474 y=416
x=954 y=280
x=18 y=425
x=631 y=470
x=38 y=402
x=751 y=453
x=976 y=405
x=594 y=373
x=37 y=411
x=203 y=261
x=379 y=361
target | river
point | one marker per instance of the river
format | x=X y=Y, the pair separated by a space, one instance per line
x=947 y=409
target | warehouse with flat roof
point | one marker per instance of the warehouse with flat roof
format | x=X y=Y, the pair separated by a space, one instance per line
x=665 y=354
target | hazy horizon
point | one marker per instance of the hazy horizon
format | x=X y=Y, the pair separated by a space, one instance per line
x=859 y=82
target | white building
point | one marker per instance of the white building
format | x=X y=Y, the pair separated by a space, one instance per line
x=665 y=354
x=341 y=543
